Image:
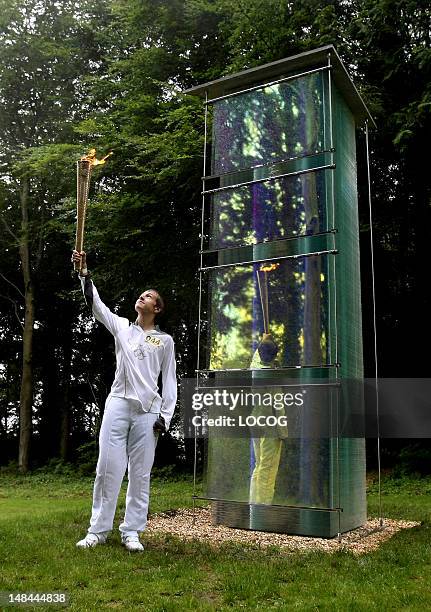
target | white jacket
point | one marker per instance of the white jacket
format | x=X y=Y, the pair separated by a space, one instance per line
x=141 y=356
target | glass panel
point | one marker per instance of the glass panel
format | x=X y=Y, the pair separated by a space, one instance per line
x=270 y=471
x=268 y=211
x=286 y=299
x=291 y=465
x=269 y=125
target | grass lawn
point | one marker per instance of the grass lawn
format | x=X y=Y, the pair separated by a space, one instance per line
x=42 y=516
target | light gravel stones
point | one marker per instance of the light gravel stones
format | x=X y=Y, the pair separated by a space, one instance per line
x=189 y=524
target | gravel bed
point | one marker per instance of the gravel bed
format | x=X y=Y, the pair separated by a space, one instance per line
x=189 y=524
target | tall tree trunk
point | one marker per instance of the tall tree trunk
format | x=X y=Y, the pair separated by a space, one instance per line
x=26 y=395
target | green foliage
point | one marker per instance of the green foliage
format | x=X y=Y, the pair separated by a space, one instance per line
x=86 y=458
x=414 y=459
x=395 y=481
x=56 y=467
x=44 y=162
x=109 y=74
x=258 y=33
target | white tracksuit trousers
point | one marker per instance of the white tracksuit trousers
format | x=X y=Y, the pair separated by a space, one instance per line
x=126 y=439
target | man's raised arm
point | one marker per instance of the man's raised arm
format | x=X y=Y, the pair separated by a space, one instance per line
x=111 y=321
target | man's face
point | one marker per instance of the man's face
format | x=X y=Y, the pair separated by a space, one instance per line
x=146 y=302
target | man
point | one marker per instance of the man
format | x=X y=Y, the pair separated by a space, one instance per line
x=134 y=414
x=266 y=448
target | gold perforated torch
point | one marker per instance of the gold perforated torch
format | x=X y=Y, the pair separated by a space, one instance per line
x=83 y=175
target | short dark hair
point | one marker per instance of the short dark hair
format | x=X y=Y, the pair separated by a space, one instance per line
x=160 y=302
x=267 y=350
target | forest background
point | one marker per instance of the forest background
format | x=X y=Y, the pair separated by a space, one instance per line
x=109 y=74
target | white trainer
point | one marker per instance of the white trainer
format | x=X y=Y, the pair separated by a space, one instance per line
x=91 y=540
x=132 y=543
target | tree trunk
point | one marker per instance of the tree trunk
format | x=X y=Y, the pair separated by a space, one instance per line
x=26 y=395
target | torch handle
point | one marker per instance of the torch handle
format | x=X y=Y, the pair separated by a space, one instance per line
x=262 y=281
x=79 y=240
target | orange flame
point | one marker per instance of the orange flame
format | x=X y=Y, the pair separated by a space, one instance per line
x=269 y=267
x=91 y=157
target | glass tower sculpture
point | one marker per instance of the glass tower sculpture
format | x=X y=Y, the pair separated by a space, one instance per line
x=280 y=265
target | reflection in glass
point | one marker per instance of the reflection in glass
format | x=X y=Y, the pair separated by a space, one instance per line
x=268 y=211
x=289 y=466
x=300 y=472
x=287 y=299
x=268 y=125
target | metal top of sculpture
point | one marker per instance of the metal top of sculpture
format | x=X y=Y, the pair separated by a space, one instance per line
x=286 y=67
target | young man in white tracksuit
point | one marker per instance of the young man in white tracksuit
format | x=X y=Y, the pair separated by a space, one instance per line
x=134 y=414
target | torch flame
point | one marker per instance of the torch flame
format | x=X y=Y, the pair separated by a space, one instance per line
x=269 y=267
x=91 y=157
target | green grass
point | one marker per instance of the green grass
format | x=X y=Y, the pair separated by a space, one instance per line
x=42 y=516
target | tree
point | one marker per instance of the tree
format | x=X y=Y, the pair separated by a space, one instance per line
x=110 y=74
x=45 y=50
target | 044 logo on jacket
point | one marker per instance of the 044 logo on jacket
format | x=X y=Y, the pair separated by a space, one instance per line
x=150 y=345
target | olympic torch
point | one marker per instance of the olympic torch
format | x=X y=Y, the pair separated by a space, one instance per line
x=83 y=175
x=262 y=281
